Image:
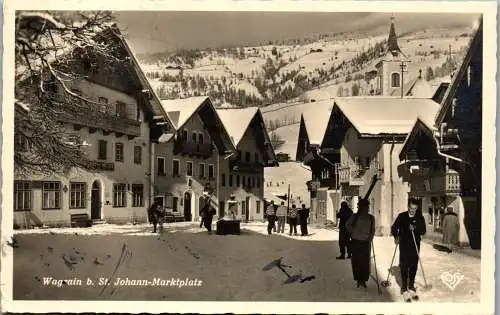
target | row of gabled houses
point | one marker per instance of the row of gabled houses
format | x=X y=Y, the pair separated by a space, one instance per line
x=422 y=146
x=151 y=150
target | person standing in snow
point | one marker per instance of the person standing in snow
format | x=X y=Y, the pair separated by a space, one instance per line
x=156 y=216
x=292 y=219
x=281 y=215
x=343 y=215
x=271 y=217
x=407 y=231
x=361 y=226
x=451 y=227
x=208 y=212
x=303 y=216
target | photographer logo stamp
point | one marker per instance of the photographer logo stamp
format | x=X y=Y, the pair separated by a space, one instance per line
x=451 y=280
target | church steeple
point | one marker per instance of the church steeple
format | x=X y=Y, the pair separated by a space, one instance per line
x=392 y=41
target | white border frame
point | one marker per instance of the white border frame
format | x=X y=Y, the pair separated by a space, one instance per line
x=488 y=9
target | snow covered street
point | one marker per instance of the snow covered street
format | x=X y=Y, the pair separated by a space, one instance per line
x=230 y=267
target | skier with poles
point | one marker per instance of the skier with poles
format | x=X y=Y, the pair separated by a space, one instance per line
x=407 y=231
x=361 y=227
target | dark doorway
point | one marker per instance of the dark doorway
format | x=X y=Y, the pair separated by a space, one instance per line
x=187 y=207
x=95 y=208
x=247 y=209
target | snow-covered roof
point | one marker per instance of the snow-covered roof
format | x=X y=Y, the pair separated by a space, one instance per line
x=180 y=110
x=236 y=121
x=316 y=119
x=374 y=115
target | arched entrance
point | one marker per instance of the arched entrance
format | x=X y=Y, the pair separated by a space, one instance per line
x=188 y=216
x=95 y=201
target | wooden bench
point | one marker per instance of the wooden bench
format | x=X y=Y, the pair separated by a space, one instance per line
x=171 y=218
x=80 y=220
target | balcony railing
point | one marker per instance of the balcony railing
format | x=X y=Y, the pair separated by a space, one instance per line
x=109 y=123
x=184 y=147
x=102 y=166
x=245 y=167
x=452 y=183
x=353 y=176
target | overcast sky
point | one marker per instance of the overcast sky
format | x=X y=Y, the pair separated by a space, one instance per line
x=158 y=31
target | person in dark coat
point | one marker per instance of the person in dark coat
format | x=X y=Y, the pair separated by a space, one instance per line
x=207 y=212
x=343 y=215
x=407 y=231
x=156 y=216
x=303 y=216
x=271 y=217
x=361 y=226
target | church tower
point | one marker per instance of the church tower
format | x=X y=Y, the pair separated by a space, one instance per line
x=391 y=67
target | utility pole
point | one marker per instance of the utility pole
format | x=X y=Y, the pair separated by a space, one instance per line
x=288 y=199
x=403 y=70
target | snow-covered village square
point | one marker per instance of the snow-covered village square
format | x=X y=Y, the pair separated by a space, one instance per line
x=338 y=161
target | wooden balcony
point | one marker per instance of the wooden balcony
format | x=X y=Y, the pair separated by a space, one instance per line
x=245 y=167
x=452 y=183
x=183 y=147
x=353 y=176
x=103 y=166
x=107 y=123
x=443 y=184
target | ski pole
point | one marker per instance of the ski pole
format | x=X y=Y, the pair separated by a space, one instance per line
x=386 y=283
x=426 y=286
x=376 y=273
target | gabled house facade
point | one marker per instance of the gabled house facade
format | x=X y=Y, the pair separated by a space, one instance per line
x=363 y=138
x=118 y=191
x=442 y=159
x=186 y=161
x=324 y=184
x=241 y=176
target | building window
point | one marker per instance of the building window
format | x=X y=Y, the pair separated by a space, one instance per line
x=22 y=195
x=51 y=197
x=137 y=195
x=77 y=195
x=249 y=183
x=247 y=156
x=237 y=180
x=189 y=168
x=211 y=171
x=102 y=150
x=194 y=137
x=256 y=157
x=102 y=100
x=185 y=134
x=230 y=180
x=175 y=201
x=175 y=168
x=202 y=170
x=121 y=110
x=119 y=195
x=239 y=157
x=200 y=138
x=243 y=180
x=137 y=154
x=258 y=182
x=223 y=180
x=21 y=143
x=257 y=206
x=119 y=152
x=395 y=80
x=162 y=169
